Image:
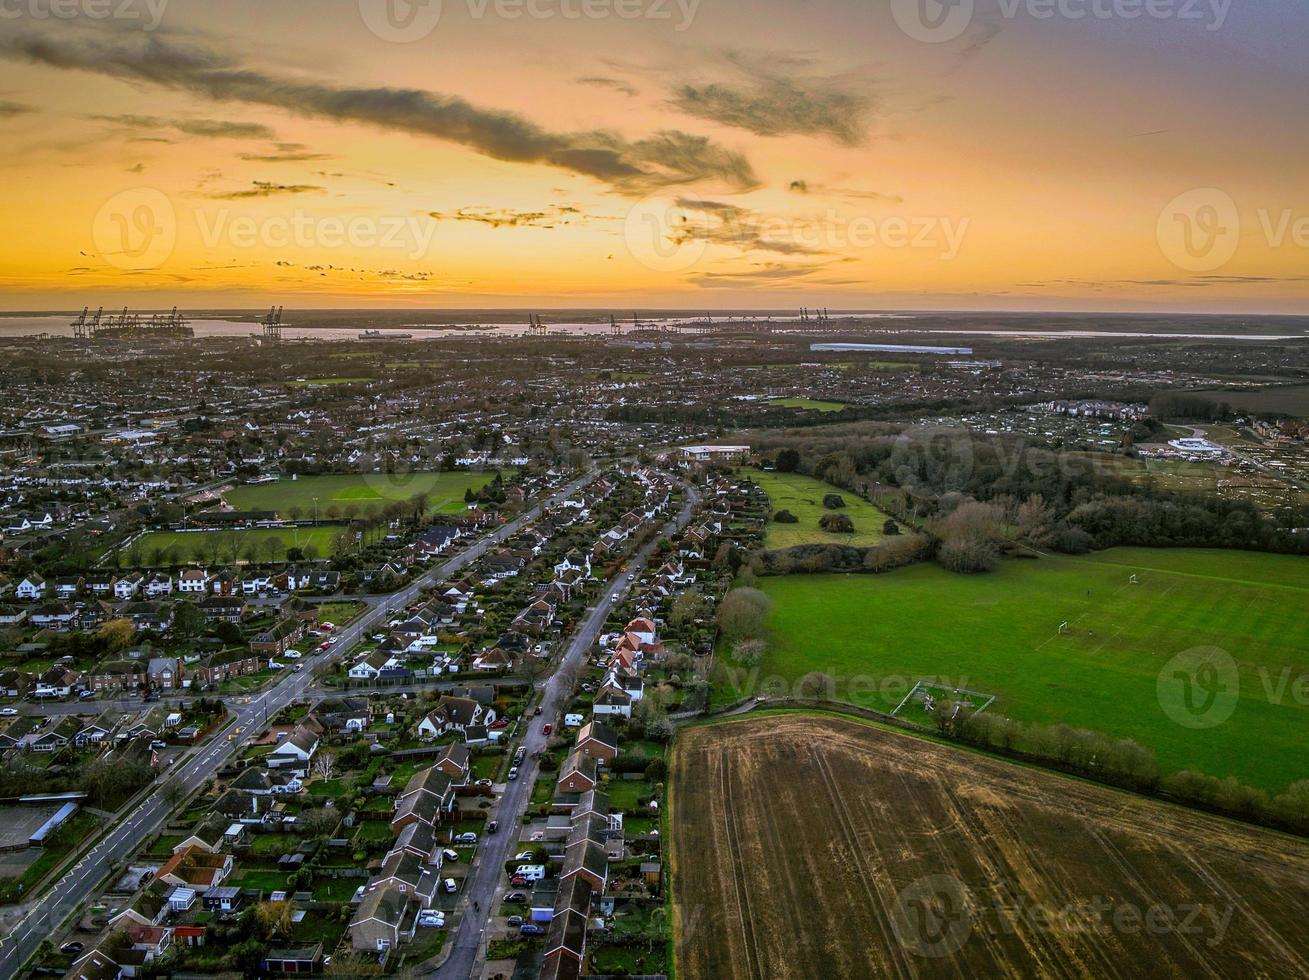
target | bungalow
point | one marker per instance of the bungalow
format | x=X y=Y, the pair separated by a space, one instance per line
x=420 y=840
x=428 y=798
x=381 y=923
x=209 y=835
x=13 y=615
x=195 y=868
x=578 y=773
x=99 y=730
x=344 y=715
x=370 y=667
x=53 y=615
x=495 y=658
x=588 y=862
x=612 y=701
x=454 y=761
x=55 y=738
x=453 y=714
x=296 y=749
x=410 y=875
x=598 y=741
x=435 y=540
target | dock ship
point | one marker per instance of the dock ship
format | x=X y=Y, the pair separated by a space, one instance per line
x=131 y=326
x=378 y=335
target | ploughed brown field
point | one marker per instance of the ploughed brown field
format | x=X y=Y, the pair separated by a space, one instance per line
x=820 y=849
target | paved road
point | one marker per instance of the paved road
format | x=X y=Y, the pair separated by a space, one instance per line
x=487 y=880
x=79 y=883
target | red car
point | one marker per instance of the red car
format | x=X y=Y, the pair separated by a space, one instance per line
x=546 y=728
x=518 y=881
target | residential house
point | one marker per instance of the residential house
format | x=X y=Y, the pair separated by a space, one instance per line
x=598 y=741
x=382 y=922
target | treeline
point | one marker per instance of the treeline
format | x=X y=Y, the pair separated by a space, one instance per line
x=978 y=496
x=1121 y=762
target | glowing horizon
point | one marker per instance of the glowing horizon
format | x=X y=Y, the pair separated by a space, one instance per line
x=357 y=153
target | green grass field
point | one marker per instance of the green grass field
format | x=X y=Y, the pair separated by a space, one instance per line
x=803 y=497
x=179 y=547
x=445 y=491
x=999 y=634
x=808 y=404
x=326 y=382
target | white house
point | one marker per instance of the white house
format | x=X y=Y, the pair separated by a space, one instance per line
x=298 y=747
x=193 y=580
x=158 y=585
x=126 y=587
x=32 y=587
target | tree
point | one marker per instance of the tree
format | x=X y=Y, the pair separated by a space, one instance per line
x=788 y=460
x=116 y=634
x=324 y=765
x=833 y=501
x=743 y=614
x=785 y=517
x=836 y=524
x=188 y=620
x=273 y=919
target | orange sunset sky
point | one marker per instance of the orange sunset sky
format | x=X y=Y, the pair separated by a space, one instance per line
x=653 y=153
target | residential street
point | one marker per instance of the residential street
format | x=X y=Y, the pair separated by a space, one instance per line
x=78 y=884
x=487 y=881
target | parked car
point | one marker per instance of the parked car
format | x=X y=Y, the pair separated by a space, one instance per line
x=450 y=886
x=493 y=826
x=515 y=898
x=8 y=712
x=450 y=855
x=531 y=929
x=513 y=773
x=518 y=881
x=547 y=728
x=466 y=838
x=514 y=921
x=71 y=949
x=432 y=918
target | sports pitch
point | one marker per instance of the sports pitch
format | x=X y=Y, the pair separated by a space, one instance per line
x=999 y=634
x=363 y=491
x=178 y=547
x=803 y=497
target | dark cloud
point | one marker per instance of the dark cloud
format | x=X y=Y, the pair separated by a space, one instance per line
x=768 y=274
x=740 y=228
x=617 y=84
x=204 y=128
x=265 y=189
x=10 y=109
x=807 y=187
x=1190 y=282
x=508 y=218
x=669 y=158
x=772 y=104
